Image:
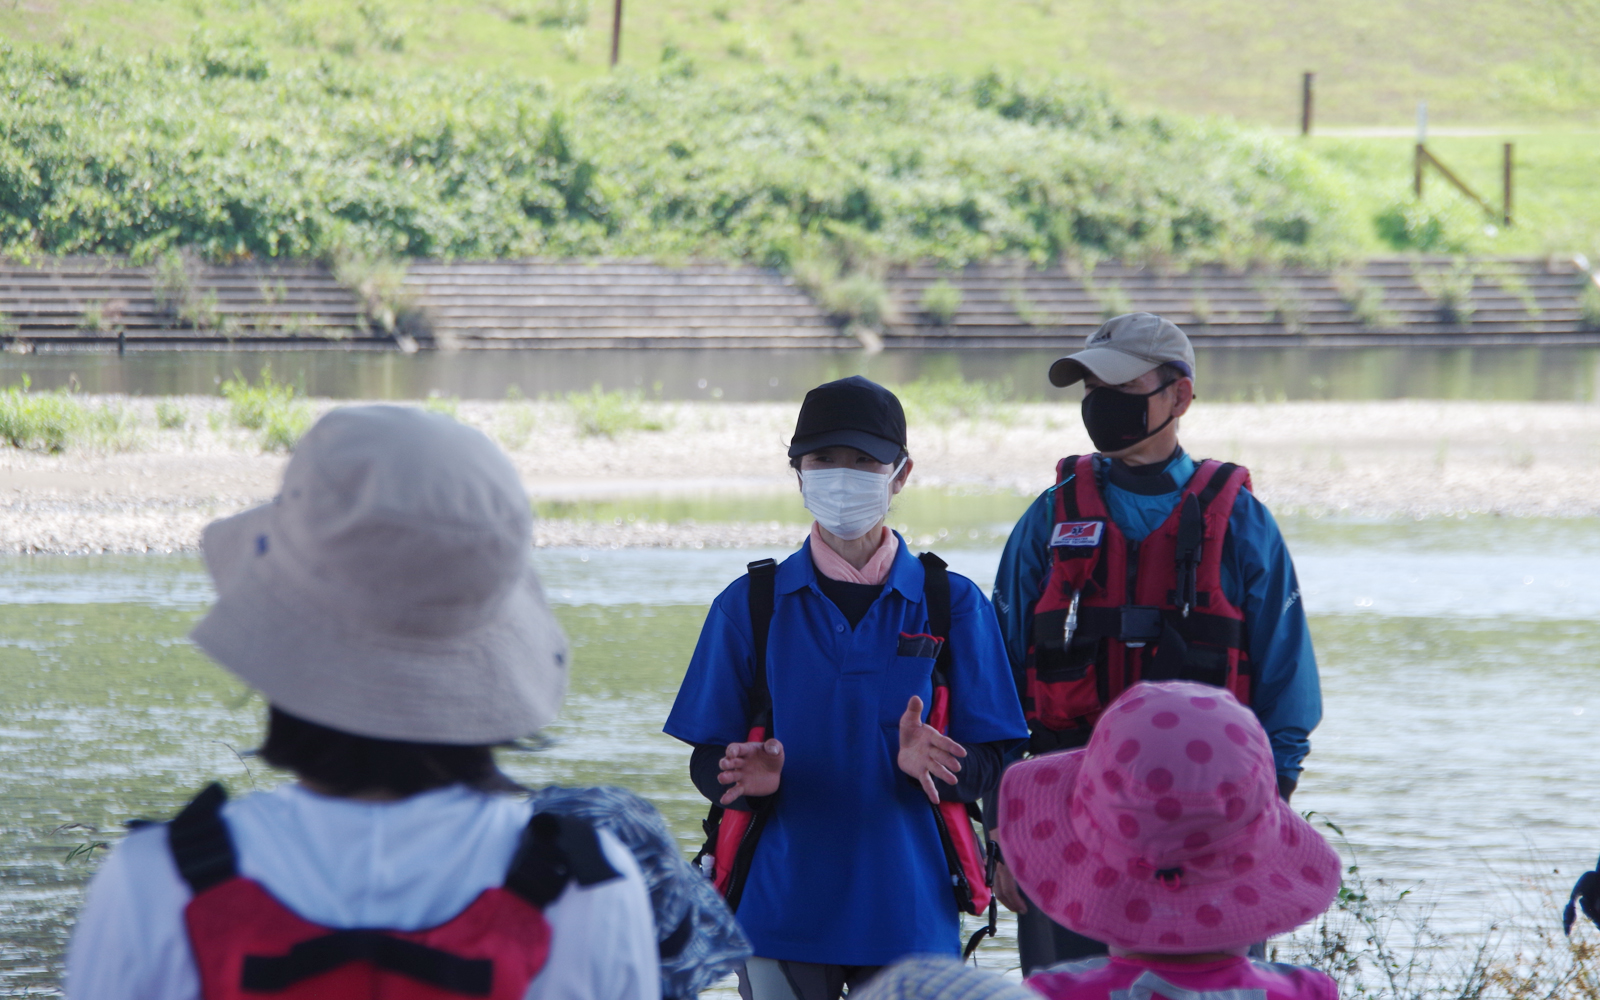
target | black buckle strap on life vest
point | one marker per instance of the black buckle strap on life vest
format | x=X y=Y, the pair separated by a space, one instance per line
x=555 y=850
x=473 y=977
x=1219 y=479
x=1171 y=659
x=1191 y=535
x=1138 y=623
x=200 y=843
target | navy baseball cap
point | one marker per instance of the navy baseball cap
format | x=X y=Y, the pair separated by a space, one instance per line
x=854 y=412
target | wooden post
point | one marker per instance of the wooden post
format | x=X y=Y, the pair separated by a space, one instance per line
x=1506 y=185
x=1420 y=158
x=1305 y=103
x=616 y=33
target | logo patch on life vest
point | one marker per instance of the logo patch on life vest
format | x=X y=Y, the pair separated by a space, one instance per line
x=919 y=645
x=1078 y=534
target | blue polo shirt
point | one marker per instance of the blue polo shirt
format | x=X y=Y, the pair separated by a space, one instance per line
x=849 y=870
x=1257 y=576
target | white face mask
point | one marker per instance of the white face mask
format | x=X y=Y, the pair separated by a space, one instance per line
x=848 y=502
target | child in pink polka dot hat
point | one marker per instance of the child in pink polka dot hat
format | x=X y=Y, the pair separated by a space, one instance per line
x=1166 y=839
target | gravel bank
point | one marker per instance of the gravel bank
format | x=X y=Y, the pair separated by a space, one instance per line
x=151 y=490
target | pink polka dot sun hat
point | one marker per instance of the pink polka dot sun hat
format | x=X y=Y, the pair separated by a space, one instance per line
x=1165 y=834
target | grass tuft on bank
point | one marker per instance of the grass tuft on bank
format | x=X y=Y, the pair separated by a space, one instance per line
x=53 y=421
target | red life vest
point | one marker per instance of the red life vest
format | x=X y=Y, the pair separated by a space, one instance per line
x=732 y=834
x=246 y=943
x=1113 y=612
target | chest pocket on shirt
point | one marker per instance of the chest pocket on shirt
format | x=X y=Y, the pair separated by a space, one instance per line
x=910 y=673
x=919 y=645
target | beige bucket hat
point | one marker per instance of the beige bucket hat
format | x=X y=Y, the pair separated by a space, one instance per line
x=1125 y=347
x=387 y=591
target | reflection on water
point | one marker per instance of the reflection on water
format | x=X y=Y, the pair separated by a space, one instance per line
x=1455 y=747
x=1511 y=373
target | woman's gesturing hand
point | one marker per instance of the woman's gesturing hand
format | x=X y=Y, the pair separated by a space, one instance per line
x=751 y=768
x=925 y=753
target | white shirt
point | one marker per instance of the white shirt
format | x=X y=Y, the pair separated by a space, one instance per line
x=343 y=863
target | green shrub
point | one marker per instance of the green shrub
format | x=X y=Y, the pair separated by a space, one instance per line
x=93 y=319
x=447 y=405
x=598 y=413
x=1365 y=300
x=39 y=421
x=1113 y=300
x=211 y=149
x=1425 y=226
x=1026 y=310
x=1589 y=306
x=110 y=427
x=1284 y=305
x=858 y=298
x=171 y=415
x=380 y=285
x=519 y=421
x=268 y=407
x=941 y=300
x=284 y=427
x=933 y=399
x=564 y=14
x=1451 y=290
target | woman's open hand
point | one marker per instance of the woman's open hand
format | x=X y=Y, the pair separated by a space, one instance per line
x=751 y=768
x=925 y=753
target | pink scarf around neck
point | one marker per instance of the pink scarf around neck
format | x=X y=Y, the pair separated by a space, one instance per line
x=835 y=567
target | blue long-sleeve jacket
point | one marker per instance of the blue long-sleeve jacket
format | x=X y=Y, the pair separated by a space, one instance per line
x=1257 y=576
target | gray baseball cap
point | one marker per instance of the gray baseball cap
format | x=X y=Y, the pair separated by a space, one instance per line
x=1124 y=348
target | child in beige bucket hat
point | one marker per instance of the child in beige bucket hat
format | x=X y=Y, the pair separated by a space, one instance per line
x=385 y=605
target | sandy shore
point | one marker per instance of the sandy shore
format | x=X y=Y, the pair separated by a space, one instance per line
x=153 y=489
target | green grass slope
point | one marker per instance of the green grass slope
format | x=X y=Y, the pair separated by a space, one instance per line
x=1529 y=61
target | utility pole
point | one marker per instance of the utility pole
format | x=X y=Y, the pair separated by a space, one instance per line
x=616 y=33
x=1305 y=103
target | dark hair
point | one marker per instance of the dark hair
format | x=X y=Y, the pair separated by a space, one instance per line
x=1171 y=371
x=794 y=463
x=346 y=764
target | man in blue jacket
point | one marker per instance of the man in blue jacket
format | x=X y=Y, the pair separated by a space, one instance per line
x=1141 y=563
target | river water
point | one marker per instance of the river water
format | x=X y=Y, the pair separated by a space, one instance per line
x=1460 y=661
x=1509 y=373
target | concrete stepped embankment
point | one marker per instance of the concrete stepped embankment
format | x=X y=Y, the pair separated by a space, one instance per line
x=102 y=304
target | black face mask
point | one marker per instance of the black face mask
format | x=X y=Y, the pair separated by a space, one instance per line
x=1116 y=420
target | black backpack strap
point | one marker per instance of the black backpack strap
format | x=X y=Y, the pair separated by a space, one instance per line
x=936 y=591
x=1068 y=491
x=763 y=601
x=555 y=850
x=1191 y=535
x=200 y=843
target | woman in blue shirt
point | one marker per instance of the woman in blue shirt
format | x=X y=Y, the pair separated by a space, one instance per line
x=849 y=872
